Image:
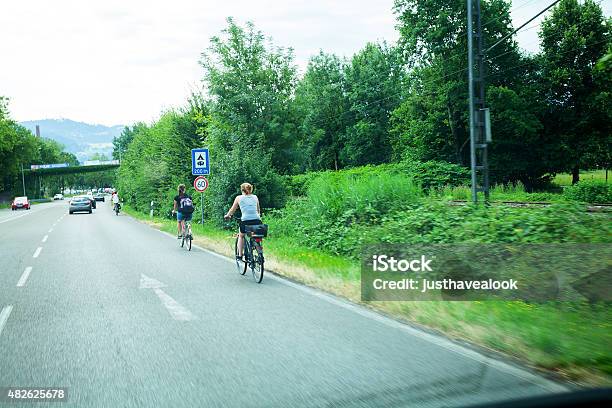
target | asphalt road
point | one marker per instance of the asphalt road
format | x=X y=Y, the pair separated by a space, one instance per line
x=122 y=316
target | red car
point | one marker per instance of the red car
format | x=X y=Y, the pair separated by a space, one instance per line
x=20 y=202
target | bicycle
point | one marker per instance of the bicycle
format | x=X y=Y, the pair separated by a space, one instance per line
x=253 y=257
x=187 y=235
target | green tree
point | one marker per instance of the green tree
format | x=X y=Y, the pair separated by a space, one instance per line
x=431 y=123
x=252 y=83
x=573 y=39
x=252 y=126
x=322 y=106
x=373 y=79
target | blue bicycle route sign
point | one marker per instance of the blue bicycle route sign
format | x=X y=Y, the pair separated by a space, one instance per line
x=200 y=165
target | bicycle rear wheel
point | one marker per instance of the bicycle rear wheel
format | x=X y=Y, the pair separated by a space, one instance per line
x=189 y=240
x=257 y=265
x=240 y=264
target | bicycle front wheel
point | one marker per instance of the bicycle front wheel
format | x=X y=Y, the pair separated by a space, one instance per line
x=241 y=266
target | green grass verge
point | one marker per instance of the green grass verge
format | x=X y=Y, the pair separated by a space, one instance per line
x=568 y=338
x=565 y=179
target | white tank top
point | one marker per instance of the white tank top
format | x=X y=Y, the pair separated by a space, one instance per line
x=248 y=207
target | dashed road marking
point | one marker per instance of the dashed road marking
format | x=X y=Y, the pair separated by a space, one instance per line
x=37 y=252
x=4 y=315
x=45 y=238
x=24 y=277
x=50 y=230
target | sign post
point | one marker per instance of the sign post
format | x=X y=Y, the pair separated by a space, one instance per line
x=201 y=184
x=200 y=166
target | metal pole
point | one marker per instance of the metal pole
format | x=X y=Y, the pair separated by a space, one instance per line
x=23 y=180
x=481 y=107
x=202 y=197
x=470 y=34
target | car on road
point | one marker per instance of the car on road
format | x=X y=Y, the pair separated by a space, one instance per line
x=99 y=197
x=80 y=204
x=58 y=197
x=89 y=194
x=19 y=203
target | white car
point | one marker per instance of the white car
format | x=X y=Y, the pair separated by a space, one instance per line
x=58 y=197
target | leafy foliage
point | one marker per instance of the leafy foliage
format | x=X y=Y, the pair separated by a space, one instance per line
x=590 y=191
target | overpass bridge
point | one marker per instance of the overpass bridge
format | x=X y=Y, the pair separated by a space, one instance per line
x=65 y=168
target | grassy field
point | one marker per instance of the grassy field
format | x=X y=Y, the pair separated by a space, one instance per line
x=570 y=339
x=566 y=179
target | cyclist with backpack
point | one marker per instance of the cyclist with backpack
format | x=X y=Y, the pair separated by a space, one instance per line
x=183 y=207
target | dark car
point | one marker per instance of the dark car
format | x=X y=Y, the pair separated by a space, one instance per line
x=99 y=197
x=80 y=204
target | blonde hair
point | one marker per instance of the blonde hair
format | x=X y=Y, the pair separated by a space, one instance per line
x=246 y=188
x=181 y=189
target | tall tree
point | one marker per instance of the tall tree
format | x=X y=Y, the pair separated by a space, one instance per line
x=432 y=122
x=374 y=79
x=323 y=105
x=252 y=83
x=573 y=39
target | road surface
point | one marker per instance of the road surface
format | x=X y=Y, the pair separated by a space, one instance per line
x=122 y=316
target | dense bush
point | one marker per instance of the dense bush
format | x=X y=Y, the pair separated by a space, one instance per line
x=234 y=168
x=427 y=222
x=429 y=175
x=590 y=191
x=157 y=160
x=435 y=174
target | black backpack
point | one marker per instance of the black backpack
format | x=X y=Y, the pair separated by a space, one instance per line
x=186 y=205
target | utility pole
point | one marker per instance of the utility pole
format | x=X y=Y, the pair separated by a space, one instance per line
x=478 y=114
x=23 y=180
x=480 y=119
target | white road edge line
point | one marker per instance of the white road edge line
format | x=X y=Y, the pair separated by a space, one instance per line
x=24 y=277
x=432 y=338
x=37 y=252
x=45 y=238
x=4 y=315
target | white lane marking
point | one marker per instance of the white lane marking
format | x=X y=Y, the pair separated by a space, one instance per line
x=29 y=212
x=4 y=315
x=50 y=230
x=429 y=337
x=45 y=238
x=176 y=310
x=150 y=283
x=24 y=277
x=14 y=218
x=37 y=252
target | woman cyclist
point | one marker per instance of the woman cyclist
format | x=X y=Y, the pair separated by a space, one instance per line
x=183 y=207
x=250 y=210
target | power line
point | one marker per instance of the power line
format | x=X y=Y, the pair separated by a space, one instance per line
x=523 y=25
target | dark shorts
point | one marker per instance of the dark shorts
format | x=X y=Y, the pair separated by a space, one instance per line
x=183 y=217
x=248 y=222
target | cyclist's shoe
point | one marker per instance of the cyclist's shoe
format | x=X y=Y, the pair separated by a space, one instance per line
x=179 y=236
x=240 y=258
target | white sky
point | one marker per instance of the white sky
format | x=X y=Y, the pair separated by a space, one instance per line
x=119 y=61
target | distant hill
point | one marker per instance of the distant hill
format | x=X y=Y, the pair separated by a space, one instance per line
x=82 y=139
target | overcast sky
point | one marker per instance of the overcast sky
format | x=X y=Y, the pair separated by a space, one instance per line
x=118 y=61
